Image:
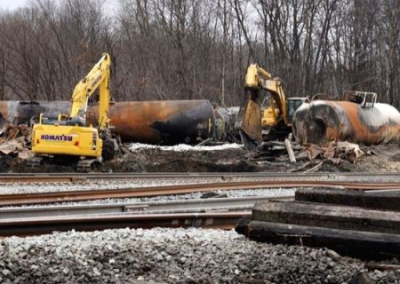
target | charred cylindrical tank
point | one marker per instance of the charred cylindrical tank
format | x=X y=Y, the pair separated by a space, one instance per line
x=161 y=122
x=21 y=112
x=155 y=122
x=319 y=121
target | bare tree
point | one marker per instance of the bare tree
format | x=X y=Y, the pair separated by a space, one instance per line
x=190 y=49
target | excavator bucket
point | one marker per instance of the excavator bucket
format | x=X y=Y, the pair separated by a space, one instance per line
x=249 y=119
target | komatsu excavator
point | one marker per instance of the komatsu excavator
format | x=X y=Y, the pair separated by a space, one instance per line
x=275 y=122
x=69 y=136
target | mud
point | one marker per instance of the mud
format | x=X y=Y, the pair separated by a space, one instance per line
x=232 y=160
x=382 y=158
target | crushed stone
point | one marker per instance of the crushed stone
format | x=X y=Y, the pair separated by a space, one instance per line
x=169 y=256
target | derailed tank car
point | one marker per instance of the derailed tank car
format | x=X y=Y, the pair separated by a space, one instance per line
x=357 y=121
x=154 y=122
x=20 y=112
x=161 y=122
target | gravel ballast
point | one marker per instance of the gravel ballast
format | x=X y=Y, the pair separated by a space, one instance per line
x=169 y=256
x=106 y=184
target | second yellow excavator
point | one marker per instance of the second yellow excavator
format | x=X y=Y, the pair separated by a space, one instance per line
x=69 y=136
x=275 y=122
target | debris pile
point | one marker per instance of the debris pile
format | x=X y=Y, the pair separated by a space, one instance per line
x=15 y=140
x=335 y=151
x=307 y=154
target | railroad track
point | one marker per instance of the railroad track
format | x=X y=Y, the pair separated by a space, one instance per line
x=208 y=213
x=46 y=225
x=157 y=207
x=72 y=177
x=222 y=213
x=82 y=195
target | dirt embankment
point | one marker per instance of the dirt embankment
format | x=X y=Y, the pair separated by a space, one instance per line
x=382 y=158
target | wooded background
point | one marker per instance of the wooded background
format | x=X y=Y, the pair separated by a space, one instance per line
x=190 y=49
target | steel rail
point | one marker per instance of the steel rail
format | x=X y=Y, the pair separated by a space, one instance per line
x=159 y=207
x=46 y=225
x=73 y=177
x=66 y=196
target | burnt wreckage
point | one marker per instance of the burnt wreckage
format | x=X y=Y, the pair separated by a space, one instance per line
x=358 y=119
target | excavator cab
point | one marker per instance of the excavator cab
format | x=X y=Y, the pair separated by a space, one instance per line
x=293 y=104
x=60 y=119
x=270 y=113
x=273 y=125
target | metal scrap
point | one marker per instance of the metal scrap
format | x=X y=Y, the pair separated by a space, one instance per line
x=11 y=146
x=308 y=154
x=14 y=140
x=335 y=151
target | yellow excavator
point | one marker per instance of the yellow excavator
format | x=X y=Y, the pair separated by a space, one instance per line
x=275 y=122
x=69 y=136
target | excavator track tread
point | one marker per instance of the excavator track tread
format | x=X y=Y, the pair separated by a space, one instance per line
x=34 y=162
x=87 y=165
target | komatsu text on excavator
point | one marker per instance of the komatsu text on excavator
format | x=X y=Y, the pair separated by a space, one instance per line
x=275 y=123
x=69 y=136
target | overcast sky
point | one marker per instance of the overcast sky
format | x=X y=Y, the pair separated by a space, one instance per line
x=12 y=4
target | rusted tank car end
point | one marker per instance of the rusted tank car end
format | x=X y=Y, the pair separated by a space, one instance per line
x=321 y=121
x=161 y=122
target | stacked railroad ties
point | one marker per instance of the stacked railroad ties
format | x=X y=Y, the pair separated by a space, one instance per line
x=360 y=224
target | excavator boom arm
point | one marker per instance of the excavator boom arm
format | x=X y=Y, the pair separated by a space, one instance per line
x=97 y=78
x=257 y=78
x=250 y=113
